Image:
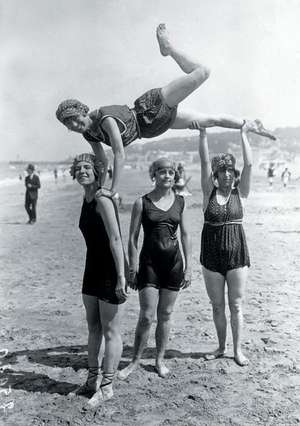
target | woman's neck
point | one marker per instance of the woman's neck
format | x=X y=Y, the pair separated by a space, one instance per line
x=225 y=192
x=90 y=191
x=162 y=192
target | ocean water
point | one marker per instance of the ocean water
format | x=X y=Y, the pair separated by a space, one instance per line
x=14 y=172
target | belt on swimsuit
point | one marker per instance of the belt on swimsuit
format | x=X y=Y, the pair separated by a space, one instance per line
x=137 y=123
x=231 y=222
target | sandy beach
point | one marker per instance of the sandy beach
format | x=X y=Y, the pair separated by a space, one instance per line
x=43 y=323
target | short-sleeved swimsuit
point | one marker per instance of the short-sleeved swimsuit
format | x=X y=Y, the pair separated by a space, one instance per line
x=223 y=241
x=100 y=275
x=161 y=264
x=150 y=117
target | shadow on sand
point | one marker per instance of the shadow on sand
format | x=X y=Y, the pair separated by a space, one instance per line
x=74 y=357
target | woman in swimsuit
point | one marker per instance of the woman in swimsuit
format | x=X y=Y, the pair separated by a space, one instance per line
x=153 y=113
x=104 y=286
x=224 y=252
x=161 y=272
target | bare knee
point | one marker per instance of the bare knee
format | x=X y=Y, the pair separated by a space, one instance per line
x=235 y=307
x=146 y=319
x=218 y=308
x=164 y=315
x=111 y=333
x=94 y=327
x=201 y=74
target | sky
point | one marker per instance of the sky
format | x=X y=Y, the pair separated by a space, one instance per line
x=105 y=52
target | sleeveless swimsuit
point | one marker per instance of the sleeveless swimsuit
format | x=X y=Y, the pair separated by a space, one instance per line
x=150 y=117
x=100 y=275
x=223 y=241
x=161 y=264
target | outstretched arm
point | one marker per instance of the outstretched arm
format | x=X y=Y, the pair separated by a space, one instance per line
x=107 y=212
x=247 y=169
x=206 y=182
x=112 y=129
x=186 y=242
x=135 y=226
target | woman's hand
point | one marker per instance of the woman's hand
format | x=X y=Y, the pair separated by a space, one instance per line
x=132 y=281
x=187 y=280
x=104 y=191
x=121 y=290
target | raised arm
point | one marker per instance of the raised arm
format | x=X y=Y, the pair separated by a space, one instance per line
x=247 y=168
x=112 y=129
x=106 y=210
x=206 y=182
x=135 y=226
x=186 y=242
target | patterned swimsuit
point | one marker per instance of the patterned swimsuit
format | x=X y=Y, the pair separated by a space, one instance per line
x=150 y=117
x=223 y=241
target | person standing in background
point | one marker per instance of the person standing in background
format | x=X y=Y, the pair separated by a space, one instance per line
x=285 y=177
x=32 y=184
x=55 y=173
x=271 y=174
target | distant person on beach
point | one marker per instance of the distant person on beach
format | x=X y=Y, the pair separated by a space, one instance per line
x=160 y=272
x=271 y=174
x=285 y=177
x=224 y=252
x=55 y=174
x=104 y=285
x=181 y=181
x=153 y=113
x=32 y=184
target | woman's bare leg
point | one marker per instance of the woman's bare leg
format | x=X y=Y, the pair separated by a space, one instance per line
x=111 y=321
x=196 y=73
x=180 y=88
x=148 y=302
x=195 y=120
x=91 y=305
x=215 y=287
x=236 y=281
x=167 y=299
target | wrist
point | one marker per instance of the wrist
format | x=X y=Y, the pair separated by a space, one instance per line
x=121 y=276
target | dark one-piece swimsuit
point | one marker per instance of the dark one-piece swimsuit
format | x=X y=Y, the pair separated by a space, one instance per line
x=161 y=264
x=223 y=241
x=100 y=275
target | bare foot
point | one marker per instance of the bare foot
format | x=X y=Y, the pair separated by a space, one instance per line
x=162 y=35
x=241 y=360
x=103 y=394
x=218 y=353
x=162 y=370
x=257 y=127
x=123 y=374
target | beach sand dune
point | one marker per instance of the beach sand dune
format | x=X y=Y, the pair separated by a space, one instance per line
x=43 y=323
